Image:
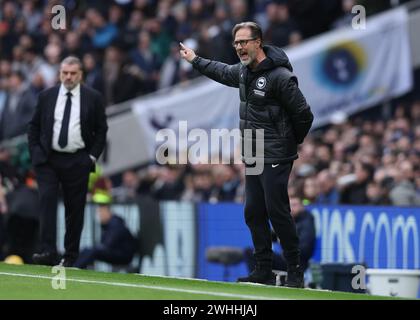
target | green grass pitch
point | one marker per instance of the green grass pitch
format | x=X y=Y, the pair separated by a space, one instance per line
x=36 y=282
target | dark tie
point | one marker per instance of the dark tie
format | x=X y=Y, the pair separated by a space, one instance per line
x=64 y=132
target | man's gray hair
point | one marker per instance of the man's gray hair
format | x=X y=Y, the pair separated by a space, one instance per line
x=256 y=31
x=72 y=60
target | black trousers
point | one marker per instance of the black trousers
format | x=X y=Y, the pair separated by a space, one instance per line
x=279 y=262
x=267 y=200
x=71 y=171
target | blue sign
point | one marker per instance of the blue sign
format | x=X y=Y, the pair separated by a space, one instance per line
x=221 y=225
x=379 y=237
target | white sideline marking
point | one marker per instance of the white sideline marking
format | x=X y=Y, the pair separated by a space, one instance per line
x=132 y=285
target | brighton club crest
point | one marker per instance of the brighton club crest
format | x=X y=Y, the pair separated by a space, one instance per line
x=261 y=82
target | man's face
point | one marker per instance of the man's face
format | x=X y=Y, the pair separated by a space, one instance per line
x=70 y=75
x=247 y=51
x=14 y=82
x=103 y=214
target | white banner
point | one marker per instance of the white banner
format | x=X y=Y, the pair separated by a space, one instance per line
x=351 y=70
x=206 y=105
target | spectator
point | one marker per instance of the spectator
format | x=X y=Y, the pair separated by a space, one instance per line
x=32 y=16
x=52 y=53
x=196 y=14
x=281 y=27
x=225 y=183
x=310 y=190
x=37 y=84
x=221 y=29
x=377 y=194
x=404 y=192
x=22 y=225
x=103 y=32
x=121 y=79
x=169 y=184
x=92 y=72
x=146 y=61
x=18 y=58
x=85 y=31
x=18 y=109
x=347 y=16
x=8 y=36
x=170 y=71
x=309 y=23
x=323 y=155
x=161 y=38
x=147 y=7
x=180 y=13
x=4 y=85
x=127 y=192
x=117 y=245
x=34 y=65
x=239 y=11
x=3 y=211
x=147 y=179
x=328 y=193
x=355 y=193
x=72 y=45
x=200 y=185
x=116 y=16
x=134 y=25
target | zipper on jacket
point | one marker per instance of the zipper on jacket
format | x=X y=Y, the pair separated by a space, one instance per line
x=246 y=100
x=283 y=122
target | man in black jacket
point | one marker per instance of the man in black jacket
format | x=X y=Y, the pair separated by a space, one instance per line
x=271 y=101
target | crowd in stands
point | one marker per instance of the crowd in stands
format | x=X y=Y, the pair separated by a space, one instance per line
x=130 y=48
x=353 y=161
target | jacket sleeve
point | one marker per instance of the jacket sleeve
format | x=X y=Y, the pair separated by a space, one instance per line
x=296 y=106
x=34 y=125
x=218 y=71
x=28 y=103
x=36 y=151
x=100 y=127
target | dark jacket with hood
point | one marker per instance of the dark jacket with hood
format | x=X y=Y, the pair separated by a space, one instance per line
x=270 y=100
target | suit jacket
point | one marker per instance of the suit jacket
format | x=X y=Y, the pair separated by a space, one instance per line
x=13 y=124
x=92 y=123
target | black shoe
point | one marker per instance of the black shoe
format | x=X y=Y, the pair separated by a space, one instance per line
x=295 y=277
x=46 y=258
x=263 y=276
x=67 y=263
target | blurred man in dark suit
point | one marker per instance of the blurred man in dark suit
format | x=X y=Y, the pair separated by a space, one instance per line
x=66 y=136
x=19 y=107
